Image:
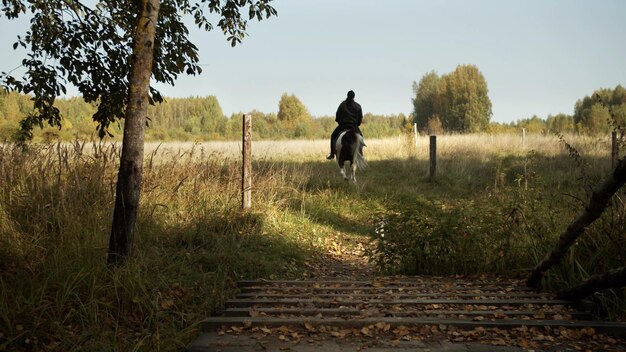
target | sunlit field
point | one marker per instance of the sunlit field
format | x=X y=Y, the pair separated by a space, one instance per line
x=496 y=205
x=402 y=146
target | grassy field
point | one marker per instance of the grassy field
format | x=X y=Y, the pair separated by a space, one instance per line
x=496 y=206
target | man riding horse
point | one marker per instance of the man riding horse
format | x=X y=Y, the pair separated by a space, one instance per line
x=349 y=116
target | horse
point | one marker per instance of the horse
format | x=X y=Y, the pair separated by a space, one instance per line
x=350 y=148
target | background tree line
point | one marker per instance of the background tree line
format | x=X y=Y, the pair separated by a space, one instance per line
x=599 y=113
x=192 y=118
x=202 y=118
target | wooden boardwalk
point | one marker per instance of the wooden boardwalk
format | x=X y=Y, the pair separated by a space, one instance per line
x=404 y=301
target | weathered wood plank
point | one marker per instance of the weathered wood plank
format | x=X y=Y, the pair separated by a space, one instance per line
x=409 y=302
x=618 y=329
x=391 y=296
x=325 y=312
x=382 y=289
x=405 y=283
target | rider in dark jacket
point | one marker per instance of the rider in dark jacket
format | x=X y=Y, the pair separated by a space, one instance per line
x=349 y=115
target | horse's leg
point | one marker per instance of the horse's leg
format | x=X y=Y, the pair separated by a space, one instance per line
x=353 y=167
x=342 y=170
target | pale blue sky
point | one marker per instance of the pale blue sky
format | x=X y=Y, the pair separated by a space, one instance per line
x=538 y=57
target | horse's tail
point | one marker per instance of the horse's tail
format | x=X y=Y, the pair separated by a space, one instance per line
x=359 y=161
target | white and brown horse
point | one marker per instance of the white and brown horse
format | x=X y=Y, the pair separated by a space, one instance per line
x=350 y=148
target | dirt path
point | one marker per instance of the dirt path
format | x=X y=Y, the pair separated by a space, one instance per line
x=345 y=258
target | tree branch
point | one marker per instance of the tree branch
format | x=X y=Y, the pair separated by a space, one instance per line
x=597 y=204
x=612 y=279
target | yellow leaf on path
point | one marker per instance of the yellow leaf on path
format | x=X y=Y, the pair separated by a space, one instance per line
x=588 y=331
x=499 y=342
x=522 y=342
x=340 y=334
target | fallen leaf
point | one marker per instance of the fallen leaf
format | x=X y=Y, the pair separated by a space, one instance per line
x=167 y=303
x=340 y=334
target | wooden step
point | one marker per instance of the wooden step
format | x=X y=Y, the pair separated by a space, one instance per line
x=333 y=312
x=390 y=296
x=390 y=282
x=319 y=302
x=214 y=323
x=383 y=289
x=443 y=302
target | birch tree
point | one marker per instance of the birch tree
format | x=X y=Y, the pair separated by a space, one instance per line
x=110 y=51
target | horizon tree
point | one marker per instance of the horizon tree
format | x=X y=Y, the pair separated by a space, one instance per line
x=458 y=99
x=603 y=111
x=110 y=50
x=423 y=102
x=293 y=115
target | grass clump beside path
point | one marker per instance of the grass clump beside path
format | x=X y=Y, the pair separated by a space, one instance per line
x=495 y=207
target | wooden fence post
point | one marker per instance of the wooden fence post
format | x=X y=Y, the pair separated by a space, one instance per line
x=614 y=155
x=246 y=167
x=433 y=156
x=523 y=136
x=415 y=134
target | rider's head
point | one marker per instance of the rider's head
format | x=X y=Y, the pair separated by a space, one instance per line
x=351 y=95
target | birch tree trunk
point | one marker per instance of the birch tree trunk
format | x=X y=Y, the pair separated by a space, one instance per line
x=131 y=163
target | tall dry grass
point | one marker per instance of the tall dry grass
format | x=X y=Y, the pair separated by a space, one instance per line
x=193 y=242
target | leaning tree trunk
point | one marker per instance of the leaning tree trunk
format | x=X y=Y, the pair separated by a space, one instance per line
x=131 y=163
x=612 y=279
x=599 y=201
